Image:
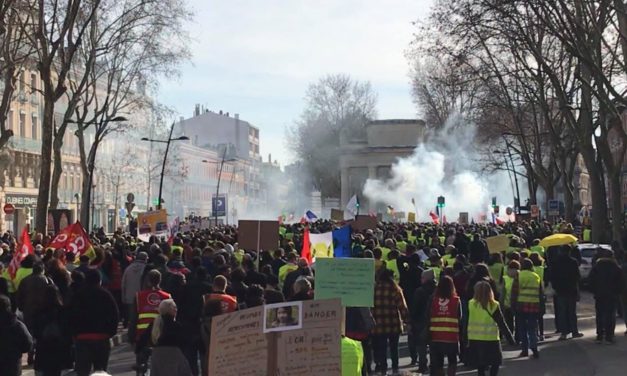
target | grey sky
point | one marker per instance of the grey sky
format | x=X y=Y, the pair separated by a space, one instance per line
x=257 y=57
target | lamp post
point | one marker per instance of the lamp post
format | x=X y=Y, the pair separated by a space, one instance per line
x=165 y=157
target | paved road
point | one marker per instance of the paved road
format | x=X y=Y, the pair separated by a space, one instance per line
x=581 y=357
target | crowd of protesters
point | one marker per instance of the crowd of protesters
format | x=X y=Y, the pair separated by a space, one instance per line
x=439 y=284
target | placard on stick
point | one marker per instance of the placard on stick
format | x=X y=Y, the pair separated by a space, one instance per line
x=258 y=235
x=497 y=243
x=349 y=279
x=364 y=222
x=337 y=215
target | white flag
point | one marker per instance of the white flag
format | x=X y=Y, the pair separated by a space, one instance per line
x=353 y=206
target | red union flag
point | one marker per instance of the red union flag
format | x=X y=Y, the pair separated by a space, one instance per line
x=24 y=248
x=73 y=239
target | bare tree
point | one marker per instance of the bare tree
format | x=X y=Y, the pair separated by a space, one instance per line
x=337 y=106
x=16 y=21
x=139 y=51
x=60 y=28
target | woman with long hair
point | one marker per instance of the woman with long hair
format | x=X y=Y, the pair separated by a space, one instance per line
x=485 y=319
x=390 y=312
x=444 y=327
x=168 y=339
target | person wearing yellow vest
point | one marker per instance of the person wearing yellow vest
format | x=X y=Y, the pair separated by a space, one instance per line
x=392 y=264
x=25 y=269
x=379 y=262
x=496 y=268
x=385 y=251
x=537 y=248
x=352 y=357
x=450 y=252
x=513 y=269
x=526 y=293
x=435 y=264
x=587 y=235
x=485 y=324
x=538 y=268
x=287 y=268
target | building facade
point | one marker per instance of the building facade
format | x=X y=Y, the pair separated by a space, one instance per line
x=372 y=156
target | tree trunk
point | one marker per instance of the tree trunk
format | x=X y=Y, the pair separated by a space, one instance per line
x=597 y=188
x=56 y=172
x=115 y=205
x=616 y=205
x=86 y=183
x=41 y=213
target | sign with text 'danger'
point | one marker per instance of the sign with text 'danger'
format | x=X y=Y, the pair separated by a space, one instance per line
x=350 y=279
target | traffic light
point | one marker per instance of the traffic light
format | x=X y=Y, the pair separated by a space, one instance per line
x=441 y=202
x=493 y=201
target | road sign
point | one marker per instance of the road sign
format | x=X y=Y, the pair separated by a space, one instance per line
x=535 y=211
x=218 y=205
x=554 y=208
x=8 y=209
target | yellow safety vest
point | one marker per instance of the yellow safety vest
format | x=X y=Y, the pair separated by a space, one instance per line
x=496 y=271
x=285 y=270
x=538 y=249
x=7 y=277
x=507 y=299
x=402 y=246
x=436 y=272
x=393 y=266
x=539 y=270
x=384 y=253
x=481 y=325
x=528 y=287
x=448 y=260
x=587 y=235
x=20 y=275
x=352 y=357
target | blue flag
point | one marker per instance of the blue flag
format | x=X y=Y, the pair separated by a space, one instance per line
x=342 y=242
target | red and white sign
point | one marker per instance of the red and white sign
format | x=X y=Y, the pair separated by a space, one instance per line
x=8 y=209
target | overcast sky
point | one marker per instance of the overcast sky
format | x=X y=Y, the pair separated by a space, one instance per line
x=257 y=57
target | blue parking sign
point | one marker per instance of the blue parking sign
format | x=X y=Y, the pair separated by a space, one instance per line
x=218 y=205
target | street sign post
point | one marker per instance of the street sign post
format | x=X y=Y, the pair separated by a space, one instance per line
x=8 y=209
x=554 y=208
x=218 y=205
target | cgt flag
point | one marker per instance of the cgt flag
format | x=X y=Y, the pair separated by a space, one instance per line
x=24 y=248
x=74 y=239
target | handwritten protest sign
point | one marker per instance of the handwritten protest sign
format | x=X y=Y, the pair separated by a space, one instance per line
x=349 y=279
x=411 y=217
x=239 y=346
x=337 y=215
x=364 y=222
x=497 y=243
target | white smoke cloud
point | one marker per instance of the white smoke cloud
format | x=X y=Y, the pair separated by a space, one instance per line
x=445 y=164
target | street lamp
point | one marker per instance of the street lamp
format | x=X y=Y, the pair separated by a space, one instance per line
x=165 y=156
x=215 y=212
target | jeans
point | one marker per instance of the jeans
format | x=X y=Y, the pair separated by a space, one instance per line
x=605 y=317
x=91 y=354
x=132 y=321
x=527 y=325
x=381 y=342
x=421 y=340
x=412 y=346
x=567 y=311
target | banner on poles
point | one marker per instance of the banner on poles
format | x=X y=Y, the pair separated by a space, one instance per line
x=152 y=223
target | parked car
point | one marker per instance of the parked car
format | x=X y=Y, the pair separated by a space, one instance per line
x=588 y=255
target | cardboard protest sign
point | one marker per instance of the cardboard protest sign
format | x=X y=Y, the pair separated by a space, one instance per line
x=239 y=346
x=152 y=223
x=364 y=222
x=411 y=217
x=316 y=348
x=337 y=215
x=498 y=243
x=463 y=218
x=350 y=279
x=258 y=235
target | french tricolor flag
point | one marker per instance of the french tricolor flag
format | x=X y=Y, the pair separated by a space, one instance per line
x=309 y=217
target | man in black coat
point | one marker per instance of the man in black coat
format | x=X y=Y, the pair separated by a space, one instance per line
x=94 y=315
x=564 y=276
x=15 y=340
x=418 y=311
x=478 y=250
x=606 y=284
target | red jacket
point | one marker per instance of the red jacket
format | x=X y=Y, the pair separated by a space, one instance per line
x=148 y=308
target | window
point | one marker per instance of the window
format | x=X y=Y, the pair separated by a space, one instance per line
x=33 y=82
x=10 y=121
x=33 y=127
x=23 y=82
x=22 y=125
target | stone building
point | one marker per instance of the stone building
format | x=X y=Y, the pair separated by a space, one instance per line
x=372 y=156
